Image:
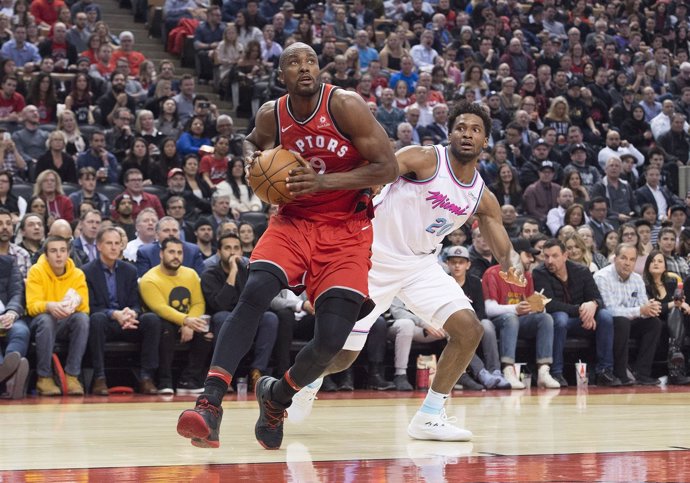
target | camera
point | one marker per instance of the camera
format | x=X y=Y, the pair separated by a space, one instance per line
x=204 y=105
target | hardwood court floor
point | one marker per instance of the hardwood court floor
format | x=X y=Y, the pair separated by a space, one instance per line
x=638 y=434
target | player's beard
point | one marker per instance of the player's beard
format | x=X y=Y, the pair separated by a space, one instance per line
x=302 y=91
x=464 y=157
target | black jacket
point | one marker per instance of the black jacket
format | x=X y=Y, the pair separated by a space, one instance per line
x=644 y=195
x=11 y=285
x=219 y=295
x=127 y=286
x=578 y=289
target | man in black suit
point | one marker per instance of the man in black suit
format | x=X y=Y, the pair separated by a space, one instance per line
x=598 y=211
x=439 y=128
x=653 y=193
x=116 y=312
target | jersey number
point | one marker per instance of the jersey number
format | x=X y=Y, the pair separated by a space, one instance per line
x=440 y=227
x=318 y=164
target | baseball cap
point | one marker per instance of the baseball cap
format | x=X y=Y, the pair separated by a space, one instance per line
x=288 y=6
x=522 y=245
x=318 y=6
x=547 y=165
x=577 y=146
x=456 y=251
x=575 y=82
x=202 y=222
x=175 y=171
x=540 y=142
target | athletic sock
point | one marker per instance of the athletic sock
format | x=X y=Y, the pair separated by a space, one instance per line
x=433 y=402
x=216 y=386
x=284 y=389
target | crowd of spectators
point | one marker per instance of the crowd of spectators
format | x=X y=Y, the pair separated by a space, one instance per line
x=131 y=178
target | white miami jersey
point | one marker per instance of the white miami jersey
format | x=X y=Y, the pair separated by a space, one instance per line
x=413 y=216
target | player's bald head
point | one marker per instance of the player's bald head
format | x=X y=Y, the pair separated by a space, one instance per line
x=294 y=49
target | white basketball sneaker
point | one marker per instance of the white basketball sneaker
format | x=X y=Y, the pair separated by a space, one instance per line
x=302 y=402
x=545 y=380
x=512 y=378
x=436 y=427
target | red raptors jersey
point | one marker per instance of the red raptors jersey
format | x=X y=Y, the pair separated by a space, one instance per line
x=328 y=150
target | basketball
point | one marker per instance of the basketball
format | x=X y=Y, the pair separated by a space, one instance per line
x=268 y=173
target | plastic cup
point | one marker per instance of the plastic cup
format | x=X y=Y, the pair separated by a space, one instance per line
x=207 y=321
x=581 y=374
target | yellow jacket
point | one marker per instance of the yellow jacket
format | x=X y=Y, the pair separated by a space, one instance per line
x=43 y=286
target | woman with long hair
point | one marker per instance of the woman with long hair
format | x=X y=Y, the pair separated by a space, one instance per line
x=48 y=187
x=507 y=188
x=193 y=180
x=578 y=58
x=247 y=238
x=575 y=216
x=168 y=159
x=627 y=233
x=22 y=16
x=38 y=207
x=558 y=116
x=489 y=166
x=578 y=252
x=474 y=81
x=587 y=235
x=246 y=33
x=661 y=286
x=402 y=98
x=251 y=70
x=242 y=197
x=57 y=159
x=305 y=32
x=147 y=74
x=138 y=157
x=161 y=93
x=190 y=142
x=42 y=95
x=636 y=130
x=588 y=73
x=103 y=32
x=91 y=53
x=168 y=121
x=573 y=180
x=609 y=244
x=393 y=50
x=226 y=56
x=80 y=100
x=74 y=139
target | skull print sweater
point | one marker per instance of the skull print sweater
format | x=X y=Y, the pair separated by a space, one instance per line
x=172 y=298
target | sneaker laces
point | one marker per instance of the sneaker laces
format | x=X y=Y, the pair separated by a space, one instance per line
x=274 y=416
x=447 y=419
x=205 y=405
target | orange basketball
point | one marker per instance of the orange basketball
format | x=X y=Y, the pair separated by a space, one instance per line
x=268 y=173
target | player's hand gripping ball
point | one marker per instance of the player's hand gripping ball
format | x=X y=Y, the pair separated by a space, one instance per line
x=268 y=172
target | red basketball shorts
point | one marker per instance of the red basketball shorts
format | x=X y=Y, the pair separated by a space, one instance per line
x=317 y=255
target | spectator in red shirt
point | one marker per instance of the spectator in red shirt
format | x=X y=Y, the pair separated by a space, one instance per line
x=46 y=11
x=49 y=188
x=134 y=188
x=11 y=102
x=214 y=167
x=127 y=51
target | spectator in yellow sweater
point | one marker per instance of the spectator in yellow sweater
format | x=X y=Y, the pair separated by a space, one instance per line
x=173 y=293
x=58 y=300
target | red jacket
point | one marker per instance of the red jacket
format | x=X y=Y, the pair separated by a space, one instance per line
x=45 y=11
x=147 y=201
x=62 y=208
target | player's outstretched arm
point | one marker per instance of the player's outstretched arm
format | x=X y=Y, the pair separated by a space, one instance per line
x=420 y=160
x=263 y=136
x=491 y=228
x=355 y=119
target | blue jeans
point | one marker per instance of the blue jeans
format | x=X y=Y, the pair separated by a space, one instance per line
x=563 y=325
x=528 y=326
x=16 y=340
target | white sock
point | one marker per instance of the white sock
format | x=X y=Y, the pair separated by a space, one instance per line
x=434 y=402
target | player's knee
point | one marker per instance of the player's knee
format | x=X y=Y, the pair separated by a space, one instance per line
x=343 y=303
x=464 y=324
x=262 y=286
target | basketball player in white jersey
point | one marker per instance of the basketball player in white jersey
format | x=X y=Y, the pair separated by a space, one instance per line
x=440 y=188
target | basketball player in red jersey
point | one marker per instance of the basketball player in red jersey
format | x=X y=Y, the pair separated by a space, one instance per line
x=321 y=240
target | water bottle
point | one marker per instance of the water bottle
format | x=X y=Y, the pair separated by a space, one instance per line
x=679 y=294
x=242 y=387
